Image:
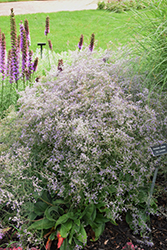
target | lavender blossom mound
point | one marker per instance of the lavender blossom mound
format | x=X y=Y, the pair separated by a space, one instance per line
x=83 y=138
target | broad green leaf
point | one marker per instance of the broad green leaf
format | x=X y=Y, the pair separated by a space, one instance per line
x=77 y=222
x=46 y=197
x=40 y=207
x=42 y=224
x=64 y=218
x=58 y=202
x=94 y=214
x=32 y=216
x=89 y=212
x=48 y=213
x=75 y=229
x=101 y=219
x=82 y=236
x=65 y=228
x=99 y=230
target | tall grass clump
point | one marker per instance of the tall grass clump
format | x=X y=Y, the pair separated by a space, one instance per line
x=151 y=37
x=119 y=6
x=78 y=151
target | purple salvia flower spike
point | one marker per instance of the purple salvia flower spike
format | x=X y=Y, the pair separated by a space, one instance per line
x=24 y=49
x=80 y=44
x=3 y=55
x=60 y=65
x=8 y=67
x=14 y=76
x=26 y=27
x=35 y=64
x=47 y=30
x=91 y=46
x=18 y=42
x=30 y=63
x=50 y=45
x=0 y=48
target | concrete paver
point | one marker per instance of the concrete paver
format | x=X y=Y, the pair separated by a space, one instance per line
x=31 y=7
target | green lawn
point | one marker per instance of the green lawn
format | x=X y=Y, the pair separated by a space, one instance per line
x=4 y=1
x=66 y=28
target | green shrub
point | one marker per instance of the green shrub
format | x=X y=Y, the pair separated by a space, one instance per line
x=101 y=5
x=124 y=5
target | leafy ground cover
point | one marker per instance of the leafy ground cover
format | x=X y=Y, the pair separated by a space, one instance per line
x=78 y=145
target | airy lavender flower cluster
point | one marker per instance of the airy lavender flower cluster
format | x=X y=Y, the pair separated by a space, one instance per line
x=83 y=137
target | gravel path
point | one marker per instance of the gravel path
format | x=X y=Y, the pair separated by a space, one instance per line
x=46 y=6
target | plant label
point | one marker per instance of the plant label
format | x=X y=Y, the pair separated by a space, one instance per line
x=160 y=149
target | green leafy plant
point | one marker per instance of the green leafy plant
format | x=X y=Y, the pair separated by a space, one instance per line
x=124 y=5
x=101 y=5
x=53 y=215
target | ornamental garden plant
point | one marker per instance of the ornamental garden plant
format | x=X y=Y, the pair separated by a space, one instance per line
x=76 y=151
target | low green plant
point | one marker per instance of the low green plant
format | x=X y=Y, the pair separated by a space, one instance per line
x=57 y=215
x=101 y=5
x=124 y=5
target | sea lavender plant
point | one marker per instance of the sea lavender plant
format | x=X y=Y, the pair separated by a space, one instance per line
x=14 y=76
x=26 y=27
x=91 y=46
x=83 y=137
x=80 y=44
x=47 y=28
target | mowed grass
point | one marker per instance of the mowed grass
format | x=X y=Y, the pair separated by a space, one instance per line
x=66 y=28
x=5 y=1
